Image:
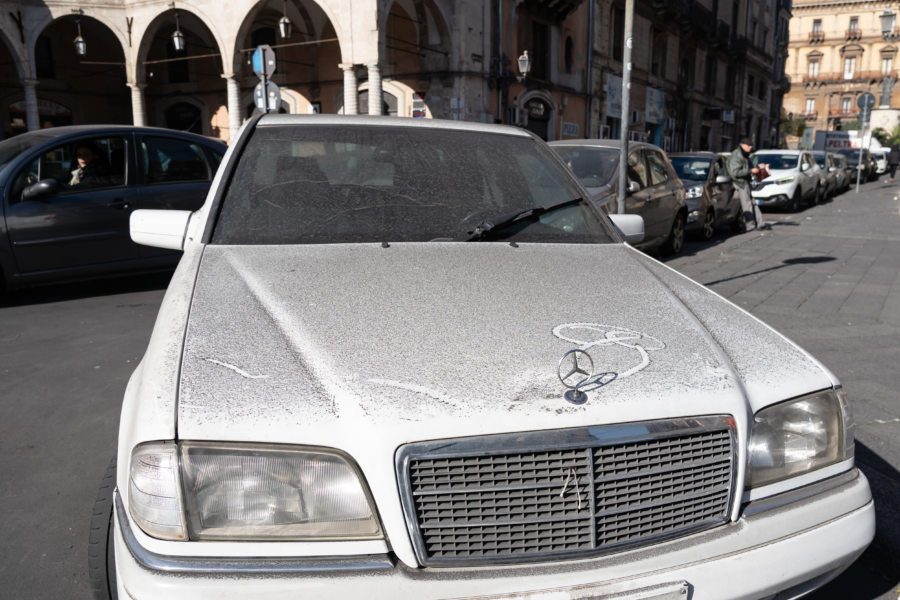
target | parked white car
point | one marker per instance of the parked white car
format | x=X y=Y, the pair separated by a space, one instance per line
x=881 y=160
x=794 y=178
x=405 y=358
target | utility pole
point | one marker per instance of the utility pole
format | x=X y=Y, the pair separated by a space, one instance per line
x=626 y=104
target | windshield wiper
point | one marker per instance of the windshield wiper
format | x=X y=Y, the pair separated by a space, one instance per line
x=485 y=227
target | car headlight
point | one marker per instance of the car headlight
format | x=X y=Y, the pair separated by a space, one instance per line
x=215 y=491
x=694 y=192
x=799 y=436
x=787 y=179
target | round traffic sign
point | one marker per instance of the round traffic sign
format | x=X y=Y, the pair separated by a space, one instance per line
x=866 y=101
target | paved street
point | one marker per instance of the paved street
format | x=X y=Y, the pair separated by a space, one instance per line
x=827 y=277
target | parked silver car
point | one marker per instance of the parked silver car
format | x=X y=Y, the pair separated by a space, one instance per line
x=654 y=190
x=710 y=195
x=829 y=169
x=844 y=172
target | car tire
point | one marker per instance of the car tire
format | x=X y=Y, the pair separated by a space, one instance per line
x=708 y=229
x=101 y=542
x=817 y=196
x=794 y=204
x=675 y=242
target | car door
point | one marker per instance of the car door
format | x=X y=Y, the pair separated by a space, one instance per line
x=639 y=201
x=809 y=174
x=77 y=223
x=176 y=174
x=722 y=194
x=663 y=194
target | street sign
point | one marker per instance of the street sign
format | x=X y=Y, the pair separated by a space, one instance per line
x=866 y=101
x=263 y=61
x=267 y=96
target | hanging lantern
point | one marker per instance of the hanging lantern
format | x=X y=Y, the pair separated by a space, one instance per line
x=284 y=24
x=178 y=37
x=80 y=44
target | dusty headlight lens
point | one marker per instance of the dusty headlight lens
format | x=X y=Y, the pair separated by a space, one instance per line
x=154 y=498
x=798 y=436
x=259 y=492
x=694 y=192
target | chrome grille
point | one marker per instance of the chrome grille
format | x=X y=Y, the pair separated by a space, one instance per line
x=526 y=496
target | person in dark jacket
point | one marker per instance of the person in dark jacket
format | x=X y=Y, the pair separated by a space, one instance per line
x=741 y=173
x=893 y=159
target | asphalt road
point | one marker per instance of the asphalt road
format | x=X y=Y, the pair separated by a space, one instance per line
x=827 y=277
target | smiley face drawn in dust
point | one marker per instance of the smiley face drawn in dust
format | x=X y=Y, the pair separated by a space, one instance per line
x=618 y=352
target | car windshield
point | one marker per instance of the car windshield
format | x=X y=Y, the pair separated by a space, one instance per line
x=820 y=158
x=12 y=147
x=594 y=166
x=315 y=184
x=777 y=161
x=691 y=168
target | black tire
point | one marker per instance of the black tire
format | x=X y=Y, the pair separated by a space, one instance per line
x=675 y=242
x=817 y=197
x=709 y=225
x=794 y=205
x=101 y=547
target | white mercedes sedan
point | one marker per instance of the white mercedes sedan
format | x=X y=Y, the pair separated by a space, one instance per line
x=407 y=358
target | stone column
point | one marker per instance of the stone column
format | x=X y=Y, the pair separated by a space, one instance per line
x=351 y=100
x=32 y=117
x=234 y=106
x=376 y=106
x=138 y=106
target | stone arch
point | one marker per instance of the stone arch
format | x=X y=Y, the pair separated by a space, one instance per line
x=546 y=98
x=92 y=86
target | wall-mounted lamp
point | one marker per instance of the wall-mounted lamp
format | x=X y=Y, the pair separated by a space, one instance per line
x=888 y=24
x=80 y=44
x=524 y=66
x=284 y=24
x=177 y=37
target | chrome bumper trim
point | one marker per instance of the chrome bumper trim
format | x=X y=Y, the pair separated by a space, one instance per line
x=195 y=565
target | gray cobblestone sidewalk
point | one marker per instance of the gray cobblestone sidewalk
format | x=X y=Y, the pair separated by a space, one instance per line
x=828 y=277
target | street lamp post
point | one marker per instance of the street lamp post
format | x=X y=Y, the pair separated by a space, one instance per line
x=524 y=66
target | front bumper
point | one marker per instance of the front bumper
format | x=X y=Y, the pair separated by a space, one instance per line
x=772 y=195
x=789 y=543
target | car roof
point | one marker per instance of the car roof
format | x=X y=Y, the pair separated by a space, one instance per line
x=597 y=143
x=281 y=120
x=701 y=154
x=65 y=130
x=777 y=151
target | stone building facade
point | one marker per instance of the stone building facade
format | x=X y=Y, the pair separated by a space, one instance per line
x=703 y=72
x=838 y=51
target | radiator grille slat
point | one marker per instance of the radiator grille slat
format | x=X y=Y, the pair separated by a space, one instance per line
x=519 y=505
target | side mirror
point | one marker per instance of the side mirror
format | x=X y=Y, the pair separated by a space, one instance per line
x=720 y=179
x=159 y=228
x=632 y=187
x=41 y=189
x=804 y=167
x=630 y=226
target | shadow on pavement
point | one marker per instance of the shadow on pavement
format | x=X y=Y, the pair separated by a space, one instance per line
x=803 y=260
x=877 y=572
x=86 y=289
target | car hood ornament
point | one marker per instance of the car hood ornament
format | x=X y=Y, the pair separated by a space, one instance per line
x=575 y=369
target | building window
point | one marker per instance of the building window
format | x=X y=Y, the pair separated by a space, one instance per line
x=849 y=67
x=810 y=106
x=730 y=82
x=569 y=54
x=658 y=56
x=711 y=74
x=540 y=38
x=751 y=84
x=618 y=33
x=845 y=105
x=854 y=25
x=887 y=65
x=814 y=68
x=817 y=26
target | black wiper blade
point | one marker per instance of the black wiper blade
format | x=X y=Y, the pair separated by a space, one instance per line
x=485 y=227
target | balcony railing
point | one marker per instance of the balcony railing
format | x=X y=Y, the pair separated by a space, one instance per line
x=854 y=34
x=816 y=36
x=841 y=76
x=810 y=115
x=840 y=112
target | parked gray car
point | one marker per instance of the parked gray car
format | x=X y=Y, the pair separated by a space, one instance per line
x=844 y=173
x=710 y=196
x=829 y=178
x=654 y=190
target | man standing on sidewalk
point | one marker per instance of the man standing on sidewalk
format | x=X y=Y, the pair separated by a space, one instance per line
x=738 y=167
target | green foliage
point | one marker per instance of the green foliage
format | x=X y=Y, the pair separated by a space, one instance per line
x=881 y=135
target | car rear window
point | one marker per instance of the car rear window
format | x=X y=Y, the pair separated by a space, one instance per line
x=311 y=184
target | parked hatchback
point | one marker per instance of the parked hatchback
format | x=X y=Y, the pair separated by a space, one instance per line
x=653 y=189
x=68 y=192
x=407 y=358
x=795 y=178
x=710 y=196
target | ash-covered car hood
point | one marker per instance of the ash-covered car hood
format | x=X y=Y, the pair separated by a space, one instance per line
x=285 y=343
